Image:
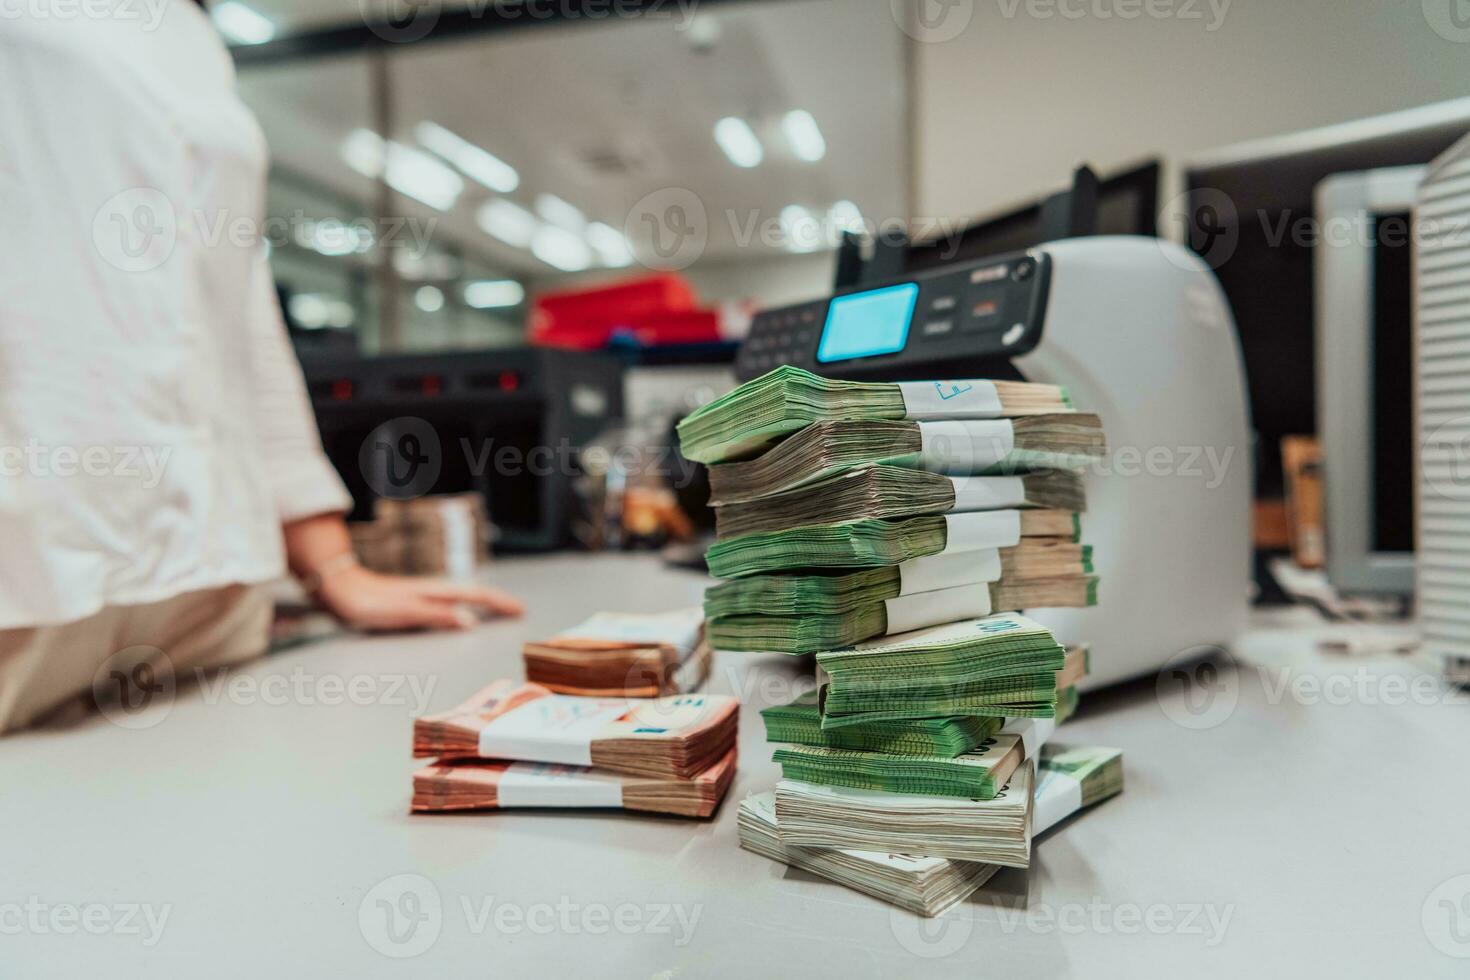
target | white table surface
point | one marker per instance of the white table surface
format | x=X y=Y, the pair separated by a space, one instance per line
x=1294 y=834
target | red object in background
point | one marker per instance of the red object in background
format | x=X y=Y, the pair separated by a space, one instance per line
x=654 y=310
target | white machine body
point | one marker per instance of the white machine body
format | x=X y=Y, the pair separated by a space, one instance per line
x=1140 y=332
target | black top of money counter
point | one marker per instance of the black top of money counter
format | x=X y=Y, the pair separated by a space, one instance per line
x=966 y=320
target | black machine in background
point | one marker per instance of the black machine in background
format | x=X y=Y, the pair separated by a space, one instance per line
x=509 y=424
x=968 y=320
x=980 y=297
x=1124 y=203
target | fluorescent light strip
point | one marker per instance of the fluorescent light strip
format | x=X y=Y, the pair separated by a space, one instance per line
x=739 y=142
x=312 y=311
x=488 y=294
x=561 y=249
x=800 y=228
x=473 y=161
x=409 y=171
x=508 y=222
x=334 y=238
x=611 y=245
x=805 y=137
x=561 y=236
x=241 y=25
x=557 y=212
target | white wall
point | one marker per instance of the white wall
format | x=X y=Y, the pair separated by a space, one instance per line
x=776 y=280
x=1010 y=105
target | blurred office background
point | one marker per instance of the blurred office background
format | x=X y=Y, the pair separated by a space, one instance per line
x=629 y=183
x=597 y=112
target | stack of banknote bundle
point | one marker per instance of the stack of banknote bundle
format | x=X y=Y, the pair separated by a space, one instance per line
x=623 y=654
x=492 y=784
x=441 y=534
x=891 y=530
x=848 y=510
x=883 y=844
x=514 y=745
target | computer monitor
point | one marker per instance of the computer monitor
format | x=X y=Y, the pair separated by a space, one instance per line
x=1251 y=212
x=1364 y=323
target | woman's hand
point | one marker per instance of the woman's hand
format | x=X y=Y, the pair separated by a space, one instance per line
x=368 y=600
x=319 y=551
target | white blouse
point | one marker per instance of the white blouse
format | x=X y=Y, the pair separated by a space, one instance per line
x=154 y=427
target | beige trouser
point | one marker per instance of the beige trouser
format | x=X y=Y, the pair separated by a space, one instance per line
x=46 y=668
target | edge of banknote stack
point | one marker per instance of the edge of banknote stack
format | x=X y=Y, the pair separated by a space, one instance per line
x=514 y=745
x=894 y=531
x=613 y=654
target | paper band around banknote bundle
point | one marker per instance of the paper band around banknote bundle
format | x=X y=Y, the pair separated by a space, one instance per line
x=970 y=399
x=556 y=728
x=965 y=446
x=537 y=784
x=945 y=571
x=975 y=530
x=1033 y=733
x=679 y=629
x=987 y=492
x=911 y=612
x=1058 y=796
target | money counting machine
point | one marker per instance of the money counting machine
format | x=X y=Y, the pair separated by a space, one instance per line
x=1139 y=332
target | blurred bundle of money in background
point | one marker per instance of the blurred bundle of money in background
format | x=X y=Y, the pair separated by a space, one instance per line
x=627 y=490
x=624 y=654
x=514 y=745
x=446 y=535
x=889 y=529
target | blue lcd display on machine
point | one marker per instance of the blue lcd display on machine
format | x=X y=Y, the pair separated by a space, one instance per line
x=867 y=324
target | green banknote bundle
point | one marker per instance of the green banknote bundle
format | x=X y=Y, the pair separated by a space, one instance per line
x=995 y=830
x=1068 y=700
x=980 y=446
x=892 y=491
x=771 y=407
x=1096 y=771
x=923 y=885
x=977 y=774
x=1010 y=570
x=1000 y=665
x=800 y=723
x=815 y=632
x=875 y=543
x=870 y=840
